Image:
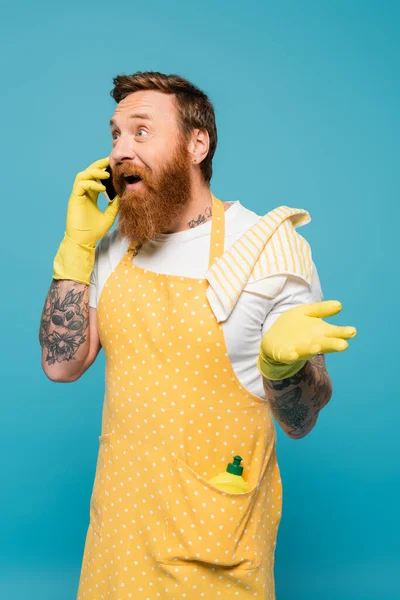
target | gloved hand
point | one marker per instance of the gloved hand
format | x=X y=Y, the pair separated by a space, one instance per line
x=86 y=225
x=298 y=335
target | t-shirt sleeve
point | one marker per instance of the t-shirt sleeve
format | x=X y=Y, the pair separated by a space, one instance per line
x=94 y=280
x=294 y=292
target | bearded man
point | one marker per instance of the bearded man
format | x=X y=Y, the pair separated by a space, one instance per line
x=210 y=318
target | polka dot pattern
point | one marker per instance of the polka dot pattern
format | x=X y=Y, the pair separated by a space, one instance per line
x=174 y=415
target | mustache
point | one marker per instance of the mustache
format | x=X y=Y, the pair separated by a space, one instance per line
x=123 y=170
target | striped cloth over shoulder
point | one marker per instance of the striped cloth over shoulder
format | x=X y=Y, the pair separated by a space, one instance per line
x=270 y=247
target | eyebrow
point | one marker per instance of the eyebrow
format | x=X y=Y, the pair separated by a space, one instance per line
x=145 y=116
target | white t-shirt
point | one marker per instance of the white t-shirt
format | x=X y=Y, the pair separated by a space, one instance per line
x=186 y=253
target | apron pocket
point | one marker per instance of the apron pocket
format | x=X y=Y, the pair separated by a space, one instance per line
x=205 y=524
x=99 y=498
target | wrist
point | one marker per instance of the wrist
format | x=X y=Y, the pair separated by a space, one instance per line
x=275 y=371
x=74 y=261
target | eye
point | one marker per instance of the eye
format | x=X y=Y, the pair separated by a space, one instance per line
x=141 y=130
x=141 y=133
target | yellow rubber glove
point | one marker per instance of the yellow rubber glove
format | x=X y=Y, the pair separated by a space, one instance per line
x=298 y=335
x=86 y=225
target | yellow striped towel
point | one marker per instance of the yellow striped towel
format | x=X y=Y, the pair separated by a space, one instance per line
x=270 y=247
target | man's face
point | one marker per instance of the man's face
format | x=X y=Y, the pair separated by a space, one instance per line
x=150 y=164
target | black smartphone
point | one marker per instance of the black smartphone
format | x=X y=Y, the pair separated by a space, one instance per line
x=110 y=193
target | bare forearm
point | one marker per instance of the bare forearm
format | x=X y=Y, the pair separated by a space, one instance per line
x=297 y=400
x=64 y=329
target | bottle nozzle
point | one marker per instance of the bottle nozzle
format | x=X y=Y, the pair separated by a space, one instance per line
x=235 y=466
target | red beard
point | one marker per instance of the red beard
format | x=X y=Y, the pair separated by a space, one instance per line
x=158 y=203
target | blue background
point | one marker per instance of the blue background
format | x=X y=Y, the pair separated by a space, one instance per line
x=307 y=104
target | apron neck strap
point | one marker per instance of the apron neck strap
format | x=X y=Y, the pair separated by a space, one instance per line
x=217 y=240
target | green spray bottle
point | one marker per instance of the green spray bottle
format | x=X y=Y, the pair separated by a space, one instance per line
x=231 y=480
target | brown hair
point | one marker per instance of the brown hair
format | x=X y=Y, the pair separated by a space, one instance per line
x=194 y=107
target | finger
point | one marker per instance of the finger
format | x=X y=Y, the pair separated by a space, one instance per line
x=333 y=345
x=340 y=332
x=100 y=164
x=292 y=357
x=98 y=174
x=286 y=355
x=305 y=350
x=315 y=348
x=112 y=209
x=92 y=174
x=83 y=186
x=327 y=308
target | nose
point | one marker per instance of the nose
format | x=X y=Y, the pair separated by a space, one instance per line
x=123 y=150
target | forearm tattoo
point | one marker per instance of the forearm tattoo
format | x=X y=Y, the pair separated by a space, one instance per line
x=297 y=400
x=201 y=218
x=65 y=321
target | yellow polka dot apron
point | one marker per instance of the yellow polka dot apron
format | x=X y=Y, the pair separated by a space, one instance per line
x=174 y=415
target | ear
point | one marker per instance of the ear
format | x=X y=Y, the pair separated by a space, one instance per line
x=199 y=145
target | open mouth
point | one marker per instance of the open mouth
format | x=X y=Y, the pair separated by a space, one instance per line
x=132 y=181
